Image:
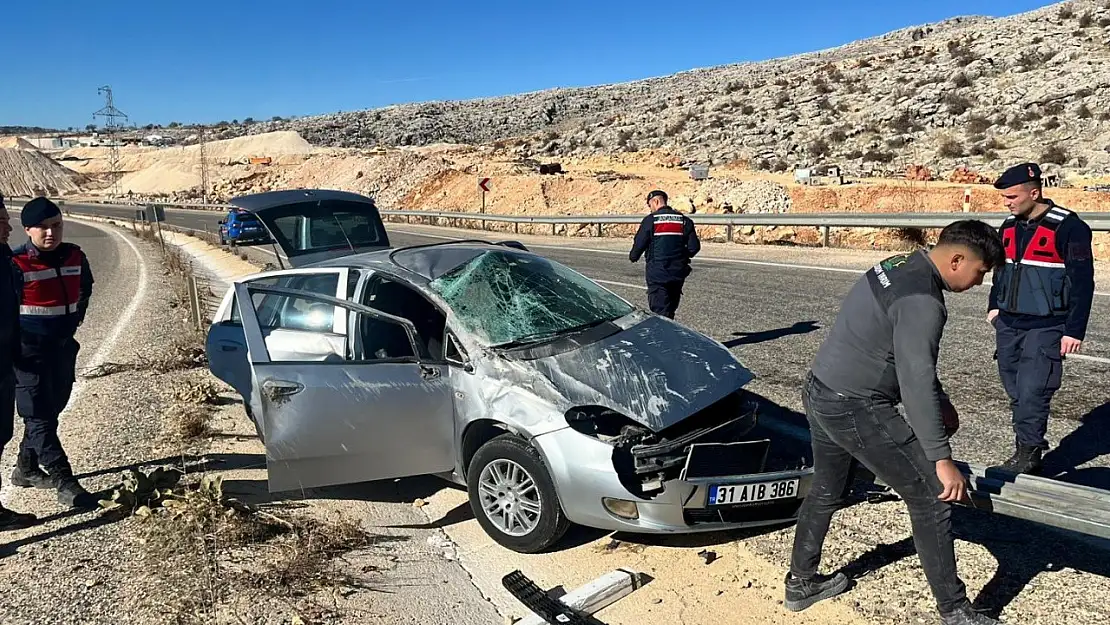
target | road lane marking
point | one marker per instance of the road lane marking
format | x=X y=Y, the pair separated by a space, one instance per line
x=615 y=283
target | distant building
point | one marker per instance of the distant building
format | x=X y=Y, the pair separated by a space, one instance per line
x=45 y=143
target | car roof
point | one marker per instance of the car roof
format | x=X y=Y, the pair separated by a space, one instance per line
x=422 y=263
x=261 y=201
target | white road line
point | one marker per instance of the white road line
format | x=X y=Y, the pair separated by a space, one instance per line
x=109 y=343
x=615 y=283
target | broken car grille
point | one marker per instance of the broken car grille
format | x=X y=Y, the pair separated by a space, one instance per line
x=743 y=513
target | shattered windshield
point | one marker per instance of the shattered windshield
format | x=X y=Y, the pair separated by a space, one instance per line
x=505 y=298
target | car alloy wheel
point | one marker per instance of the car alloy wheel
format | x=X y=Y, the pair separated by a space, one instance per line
x=513 y=496
x=509 y=497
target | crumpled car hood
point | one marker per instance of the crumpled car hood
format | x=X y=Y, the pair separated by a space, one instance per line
x=657 y=373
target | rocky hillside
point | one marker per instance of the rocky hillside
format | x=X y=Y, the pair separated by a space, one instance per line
x=972 y=91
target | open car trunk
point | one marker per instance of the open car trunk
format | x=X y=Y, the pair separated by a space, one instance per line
x=308 y=226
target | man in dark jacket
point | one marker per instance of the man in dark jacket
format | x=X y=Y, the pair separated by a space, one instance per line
x=668 y=241
x=881 y=351
x=1039 y=304
x=57 y=285
x=10 y=291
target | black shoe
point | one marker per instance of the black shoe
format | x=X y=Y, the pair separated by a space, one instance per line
x=1025 y=460
x=70 y=491
x=802 y=593
x=28 y=475
x=965 y=615
x=12 y=520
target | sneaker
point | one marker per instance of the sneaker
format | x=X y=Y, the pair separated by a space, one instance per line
x=1025 y=460
x=966 y=615
x=12 y=520
x=802 y=593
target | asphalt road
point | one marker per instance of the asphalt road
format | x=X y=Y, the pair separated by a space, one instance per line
x=774 y=317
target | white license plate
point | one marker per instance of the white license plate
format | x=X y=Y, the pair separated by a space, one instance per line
x=723 y=495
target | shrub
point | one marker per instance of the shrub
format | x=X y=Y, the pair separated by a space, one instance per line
x=951 y=149
x=1054 y=154
x=978 y=124
x=957 y=104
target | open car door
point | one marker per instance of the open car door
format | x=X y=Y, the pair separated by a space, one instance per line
x=379 y=413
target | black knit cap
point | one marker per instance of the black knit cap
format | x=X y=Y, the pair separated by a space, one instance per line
x=37 y=211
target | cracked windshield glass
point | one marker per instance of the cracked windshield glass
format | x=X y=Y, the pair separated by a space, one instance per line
x=505 y=298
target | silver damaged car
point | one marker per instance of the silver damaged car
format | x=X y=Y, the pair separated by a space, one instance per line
x=549 y=398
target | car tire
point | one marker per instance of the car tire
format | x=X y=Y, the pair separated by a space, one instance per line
x=510 y=450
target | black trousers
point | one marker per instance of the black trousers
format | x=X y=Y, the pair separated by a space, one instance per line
x=848 y=430
x=1031 y=369
x=45 y=374
x=663 y=297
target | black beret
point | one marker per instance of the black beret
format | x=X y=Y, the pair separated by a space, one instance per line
x=37 y=211
x=1018 y=174
x=657 y=193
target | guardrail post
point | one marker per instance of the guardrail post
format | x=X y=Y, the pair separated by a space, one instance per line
x=599 y=230
x=825 y=236
x=516 y=227
x=728 y=232
x=552 y=229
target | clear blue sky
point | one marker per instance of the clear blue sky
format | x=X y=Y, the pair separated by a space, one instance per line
x=206 y=61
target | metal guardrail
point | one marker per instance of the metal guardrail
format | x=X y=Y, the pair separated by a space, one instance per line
x=1098 y=221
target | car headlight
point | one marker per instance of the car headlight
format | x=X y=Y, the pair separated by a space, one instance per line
x=602 y=423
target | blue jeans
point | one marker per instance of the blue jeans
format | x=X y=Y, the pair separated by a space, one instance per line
x=845 y=430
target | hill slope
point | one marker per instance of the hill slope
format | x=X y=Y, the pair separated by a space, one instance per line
x=970 y=90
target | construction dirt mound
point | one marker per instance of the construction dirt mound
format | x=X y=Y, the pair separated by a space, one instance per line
x=30 y=172
x=18 y=143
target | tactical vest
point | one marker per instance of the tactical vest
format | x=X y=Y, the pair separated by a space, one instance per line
x=1036 y=282
x=668 y=238
x=51 y=291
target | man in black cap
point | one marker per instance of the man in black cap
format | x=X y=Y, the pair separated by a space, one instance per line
x=57 y=285
x=669 y=241
x=1039 y=304
x=10 y=292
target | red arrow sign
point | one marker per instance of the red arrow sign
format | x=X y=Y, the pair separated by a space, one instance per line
x=482 y=184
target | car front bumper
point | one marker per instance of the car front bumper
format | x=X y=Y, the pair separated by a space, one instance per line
x=584 y=475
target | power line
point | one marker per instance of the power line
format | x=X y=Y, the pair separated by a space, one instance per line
x=112 y=115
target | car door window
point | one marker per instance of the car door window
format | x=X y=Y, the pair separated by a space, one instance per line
x=400 y=300
x=276 y=311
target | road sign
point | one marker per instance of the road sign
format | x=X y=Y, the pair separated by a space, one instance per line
x=967 y=200
x=482 y=184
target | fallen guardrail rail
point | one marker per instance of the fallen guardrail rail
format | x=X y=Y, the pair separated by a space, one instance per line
x=1066 y=506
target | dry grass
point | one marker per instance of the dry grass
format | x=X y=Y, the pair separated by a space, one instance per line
x=208 y=553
